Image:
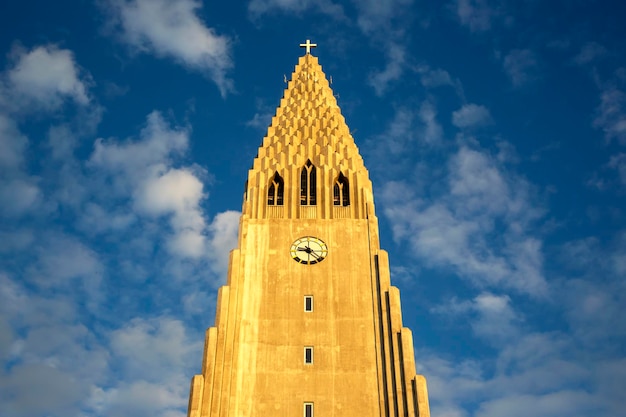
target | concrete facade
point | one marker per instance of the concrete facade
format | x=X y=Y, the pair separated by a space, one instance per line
x=361 y=357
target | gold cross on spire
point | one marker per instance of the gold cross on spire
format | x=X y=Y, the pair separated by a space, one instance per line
x=308 y=45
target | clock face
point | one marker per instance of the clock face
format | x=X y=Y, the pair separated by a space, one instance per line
x=308 y=250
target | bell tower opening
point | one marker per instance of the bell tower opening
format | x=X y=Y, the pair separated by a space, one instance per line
x=308 y=183
x=341 y=191
x=276 y=191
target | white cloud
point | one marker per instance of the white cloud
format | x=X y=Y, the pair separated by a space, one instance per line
x=96 y=219
x=556 y=404
x=618 y=163
x=491 y=316
x=375 y=15
x=546 y=368
x=385 y=23
x=380 y=80
x=471 y=115
x=63 y=263
x=573 y=369
x=151 y=349
x=432 y=132
x=176 y=193
x=12 y=143
x=31 y=390
x=146 y=399
x=410 y=128
x=400 y=131
x=158 y=143
x=260 y=120
x=19 y=196
x=173 y=29
x=521 y=66
x=63 y=259
x=224 y=235
x=62 y=142
x=611 y=114
x=475 y=14
x=154 y=356
x=432 y=78
x=54 y=357
x=477 y=226
x=497 y=320
x=257 y=8
x=465 y=375
x=591 y=306
x=144 y=169
x=43 y=79
x=589 y=52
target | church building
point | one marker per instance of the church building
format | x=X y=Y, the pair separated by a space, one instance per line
x=308 y=324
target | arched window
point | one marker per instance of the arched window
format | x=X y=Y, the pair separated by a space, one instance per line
x=276 y=191
x=341 y=191
x=307 y=185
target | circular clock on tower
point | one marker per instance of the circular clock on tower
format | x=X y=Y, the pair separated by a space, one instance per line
x=309 y=250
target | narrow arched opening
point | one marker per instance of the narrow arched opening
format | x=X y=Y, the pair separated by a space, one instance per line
x=341 y=191
x=308 y=182
x=276 y=191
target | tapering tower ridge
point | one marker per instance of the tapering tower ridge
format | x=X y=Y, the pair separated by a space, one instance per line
x=308 y=323
x=308 y=126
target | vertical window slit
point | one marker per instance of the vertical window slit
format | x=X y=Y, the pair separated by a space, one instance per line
x=308 y=409
x=308 y=303
x=308 y=355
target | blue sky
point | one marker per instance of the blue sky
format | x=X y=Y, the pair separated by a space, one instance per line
x=494 y=132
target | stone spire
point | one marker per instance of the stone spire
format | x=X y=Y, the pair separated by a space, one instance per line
x=308 y=126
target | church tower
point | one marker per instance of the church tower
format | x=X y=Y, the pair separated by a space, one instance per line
x=308 y=323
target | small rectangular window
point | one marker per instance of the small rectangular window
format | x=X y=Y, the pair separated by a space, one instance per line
x=308 y=355
x=308 y=409
x=308 y=303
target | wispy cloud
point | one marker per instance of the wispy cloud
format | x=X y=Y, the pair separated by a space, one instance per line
x=471 y=115
x=13 y=144
x=493 y=318
x=157 y=187
x=611 y=114
x=521 y=66
x=408 y=130
x=43 y=78
x=477 y=15
x=380 y=15
x=590 y=52
x=173 y=29
x=618 y=163
x=431 y=78
x=431 y=131
x=396 y=62
x=474 y=225
x=258 y=8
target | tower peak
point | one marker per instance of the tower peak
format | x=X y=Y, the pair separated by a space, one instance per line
x=308 y=126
